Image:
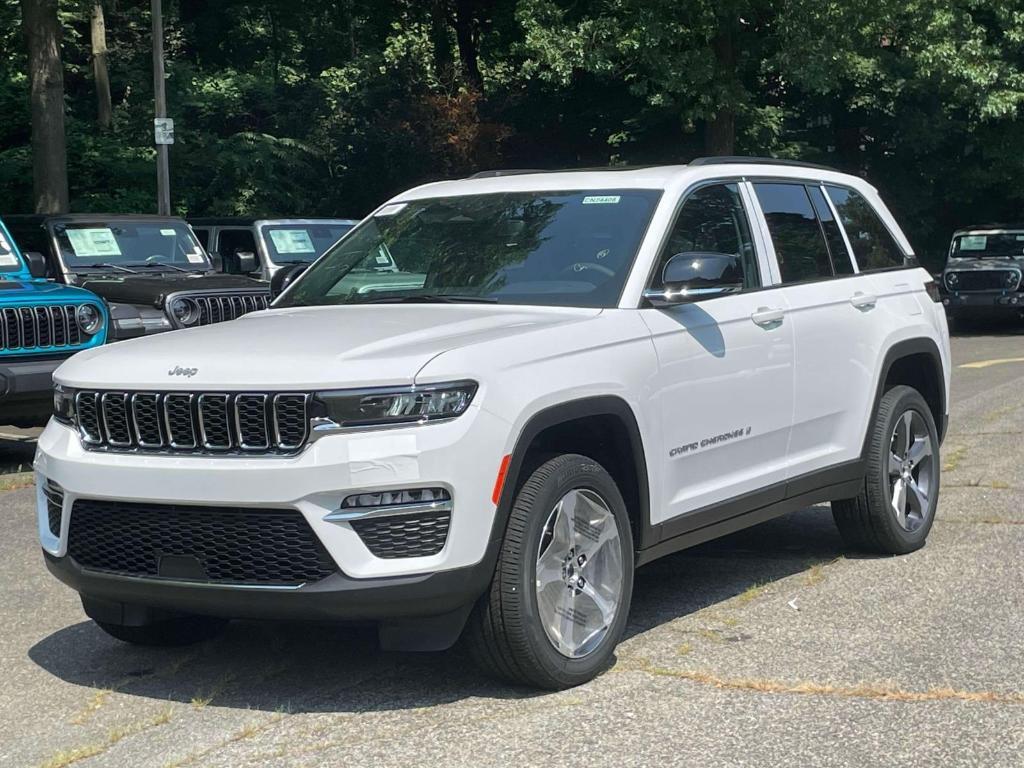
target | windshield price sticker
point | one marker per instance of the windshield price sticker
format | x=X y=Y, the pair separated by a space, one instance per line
x=93 y=242
x=168 y=232
x=195 y=257
x=973 y=242
x=390 y=210
x=292 y=241
x=601 y=199
x=7 y=259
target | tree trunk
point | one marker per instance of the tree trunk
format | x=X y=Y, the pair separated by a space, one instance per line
x=467 y=35
x=100 y=74
x=720 y=129
x=444 y=64
x=46 y=78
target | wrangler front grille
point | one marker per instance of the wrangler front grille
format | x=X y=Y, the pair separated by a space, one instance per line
x=50 y=326
x=227 y=545
x=193 y=422
x=984 y=280
x=218 y=307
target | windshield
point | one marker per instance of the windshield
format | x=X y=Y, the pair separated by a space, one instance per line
x=570 y=249
x=130 y=244
x=8 y=260
x=291 y=243
x=990 y=245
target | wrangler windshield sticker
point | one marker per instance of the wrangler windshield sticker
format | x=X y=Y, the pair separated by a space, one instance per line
x=93 y=242
x=292 y=241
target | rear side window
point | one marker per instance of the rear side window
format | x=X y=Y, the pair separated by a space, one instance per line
x=203 y=236
x=873 y=245
x=799 y=244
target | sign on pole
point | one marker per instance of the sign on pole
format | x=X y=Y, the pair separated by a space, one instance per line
x=163 y=130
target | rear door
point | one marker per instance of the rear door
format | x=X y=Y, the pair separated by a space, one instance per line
x=835 y=321
x=724 y=388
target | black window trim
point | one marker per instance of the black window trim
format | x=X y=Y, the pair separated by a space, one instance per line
x=754 y=181
x=687 y=193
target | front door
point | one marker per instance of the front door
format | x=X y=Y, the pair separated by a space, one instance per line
x=724 y=388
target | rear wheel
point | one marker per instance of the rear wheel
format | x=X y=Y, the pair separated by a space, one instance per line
x=180 y=630
x=895 y=509
x=560 y=597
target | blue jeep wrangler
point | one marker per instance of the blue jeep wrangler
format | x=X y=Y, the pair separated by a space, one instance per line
x=41 y=325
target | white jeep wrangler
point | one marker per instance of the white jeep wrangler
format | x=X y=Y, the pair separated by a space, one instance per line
x=494 y=399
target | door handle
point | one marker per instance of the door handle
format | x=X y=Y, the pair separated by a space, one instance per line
x=768 y=316
x=863 y=300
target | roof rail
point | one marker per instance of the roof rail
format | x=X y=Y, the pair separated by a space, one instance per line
x=739 y=159
x=508 y=172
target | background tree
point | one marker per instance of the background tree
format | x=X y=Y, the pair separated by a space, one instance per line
x=100 y=74
x=46 y=87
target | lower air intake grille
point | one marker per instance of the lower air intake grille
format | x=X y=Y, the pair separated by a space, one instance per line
x=227 y=545
x=417 y=535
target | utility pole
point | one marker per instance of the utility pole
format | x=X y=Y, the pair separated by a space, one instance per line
x=163 y=129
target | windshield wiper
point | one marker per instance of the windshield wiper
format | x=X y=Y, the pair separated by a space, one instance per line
x=432 y=298
x=160 y=265
x=107 y=265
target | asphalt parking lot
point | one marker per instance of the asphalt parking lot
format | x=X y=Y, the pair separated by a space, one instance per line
x=770 y=647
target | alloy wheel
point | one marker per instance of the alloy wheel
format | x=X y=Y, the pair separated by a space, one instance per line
x=911 y=470
x=579 y=573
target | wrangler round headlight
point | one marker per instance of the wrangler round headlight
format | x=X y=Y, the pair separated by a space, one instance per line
x=185 y=311
x=1011 y=279
x=401 y=405
x=89 y=318
x=952 y=279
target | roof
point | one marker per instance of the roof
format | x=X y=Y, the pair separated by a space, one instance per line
x=73 y=217
x=248 y=221
x=664 y=177
x=995 y=227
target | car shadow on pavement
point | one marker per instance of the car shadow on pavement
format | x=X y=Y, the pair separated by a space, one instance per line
x=987 y=327
x=328 y=668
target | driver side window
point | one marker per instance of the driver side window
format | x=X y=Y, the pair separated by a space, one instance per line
x=712 y=220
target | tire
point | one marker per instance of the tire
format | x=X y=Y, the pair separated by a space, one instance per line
x=183 y=630
x=507 y=634
x=871 y=521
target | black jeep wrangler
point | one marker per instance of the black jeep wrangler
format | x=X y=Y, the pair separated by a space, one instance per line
x=152 y=271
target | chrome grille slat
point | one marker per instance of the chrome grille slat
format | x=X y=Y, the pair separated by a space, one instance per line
x=250 y=423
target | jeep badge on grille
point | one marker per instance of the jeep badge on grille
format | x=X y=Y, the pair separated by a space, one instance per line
x=186 y=372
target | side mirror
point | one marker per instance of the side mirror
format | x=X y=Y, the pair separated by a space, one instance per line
x=36 y=263
x=696 y=275
x=246 y=262
x=284 y=277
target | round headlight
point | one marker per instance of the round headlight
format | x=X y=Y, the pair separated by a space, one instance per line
x=185 y=311
x=1011 y=279
x=89 y=318
x=952 y=279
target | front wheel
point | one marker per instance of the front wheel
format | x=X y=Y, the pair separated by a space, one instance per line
x=560 y=597
x=895 y=509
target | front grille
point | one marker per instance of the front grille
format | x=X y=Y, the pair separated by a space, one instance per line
x=54 y=504
x=193 y=422
x=985 y=280
x=40 y=327
x=218 y=307
x=416 y=535
x=229 y=545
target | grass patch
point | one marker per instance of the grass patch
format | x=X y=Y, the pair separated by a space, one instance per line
x=953 y=457
x=874 y=691
x=17 y=480
x=750 y=594
x=92 y=706
x=684 y=649
x=70 y=756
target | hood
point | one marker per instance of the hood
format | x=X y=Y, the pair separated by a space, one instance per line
x=20 y=291
x=153 y=289
x=982 y=264
x=308 y=348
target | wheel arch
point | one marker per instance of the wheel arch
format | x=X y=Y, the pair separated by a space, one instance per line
x=602 y=427
x=917 y=363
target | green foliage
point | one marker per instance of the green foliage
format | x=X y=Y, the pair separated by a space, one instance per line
x=329 y=106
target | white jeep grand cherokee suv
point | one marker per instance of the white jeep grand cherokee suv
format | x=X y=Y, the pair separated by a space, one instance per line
x=494 y=399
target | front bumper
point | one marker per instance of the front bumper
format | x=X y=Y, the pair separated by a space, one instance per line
x=26 y=390
x=461 y=455
x=984 y=303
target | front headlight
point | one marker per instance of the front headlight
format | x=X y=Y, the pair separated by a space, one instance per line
x=63 y=404
x=185 y=311
x=89 y=318
x=400 y=405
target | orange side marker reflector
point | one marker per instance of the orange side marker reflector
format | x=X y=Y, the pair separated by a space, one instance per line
x=499 y=482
